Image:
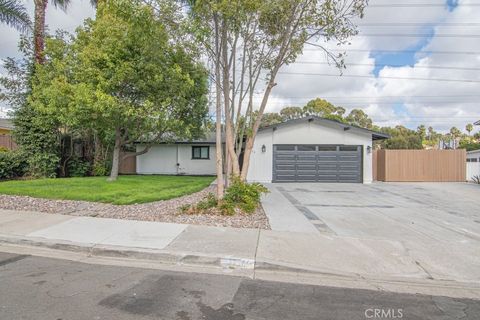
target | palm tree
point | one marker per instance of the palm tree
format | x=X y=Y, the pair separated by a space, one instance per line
x=469 y=128
x=15 y=14
x=39 y=25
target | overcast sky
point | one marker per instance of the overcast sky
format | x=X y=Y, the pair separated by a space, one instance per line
x=414 y=41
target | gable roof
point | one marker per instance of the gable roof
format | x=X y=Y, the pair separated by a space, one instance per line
x=375 y=134
x=477 y=123
x=6 y=124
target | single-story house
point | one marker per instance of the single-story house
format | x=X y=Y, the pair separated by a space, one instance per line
x=182 y=157
x=473 y=156
x=6 y=138
x=473 y=164
x=6 y=126
x=310 y=149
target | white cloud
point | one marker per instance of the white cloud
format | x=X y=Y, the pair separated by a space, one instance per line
x=440 y=112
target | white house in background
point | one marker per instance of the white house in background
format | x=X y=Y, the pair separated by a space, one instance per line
x=473 y=164
x=182 y=158
x=309 y=149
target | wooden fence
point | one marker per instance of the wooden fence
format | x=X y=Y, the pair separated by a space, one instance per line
x=419 y=165
x=128 y=165
x=6 y=141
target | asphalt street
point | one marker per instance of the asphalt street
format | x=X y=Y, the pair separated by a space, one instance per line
x=40 y=288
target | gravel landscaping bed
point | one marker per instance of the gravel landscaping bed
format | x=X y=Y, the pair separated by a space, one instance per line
x=163 y=211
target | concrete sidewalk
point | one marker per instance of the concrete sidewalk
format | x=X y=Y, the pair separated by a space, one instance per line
x=263 y=254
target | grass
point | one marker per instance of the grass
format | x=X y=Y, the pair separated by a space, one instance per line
x=126 y=190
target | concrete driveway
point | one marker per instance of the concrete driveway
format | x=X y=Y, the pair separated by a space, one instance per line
x=434 y=226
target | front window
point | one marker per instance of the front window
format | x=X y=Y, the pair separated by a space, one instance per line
x=201 y=152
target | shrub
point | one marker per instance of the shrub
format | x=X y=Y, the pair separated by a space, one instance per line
x=242 y=195
x=210 y=201
x=13 y=164
x=3 y=149
x=43 y=165
x=239 y=195
x=101 y=168
x=78 y=167
x=476 y=179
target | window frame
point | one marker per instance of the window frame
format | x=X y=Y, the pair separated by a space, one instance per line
x=200 y=148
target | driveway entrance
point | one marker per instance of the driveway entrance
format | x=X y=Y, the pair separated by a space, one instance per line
x=436 y=223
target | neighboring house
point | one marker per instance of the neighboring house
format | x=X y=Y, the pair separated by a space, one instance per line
x=473 y=164
x=310 y=149
x=6 y=126
x=182 y=157
x=6 y=139
x=473 y=156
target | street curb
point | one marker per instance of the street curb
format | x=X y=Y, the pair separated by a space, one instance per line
x=110 y=251
x=253 y=268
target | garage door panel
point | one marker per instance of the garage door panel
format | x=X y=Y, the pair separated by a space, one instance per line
x=317 y=163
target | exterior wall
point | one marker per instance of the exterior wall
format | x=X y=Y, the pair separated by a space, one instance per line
x=261 y=164
x=163 y=159
x=6 y=141
x=474 y=155
x=473 y=170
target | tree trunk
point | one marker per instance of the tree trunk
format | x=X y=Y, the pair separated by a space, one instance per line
x=232 y=158
x=218 y=124
x=39 y=30
x=256 y=126
x=116 y=155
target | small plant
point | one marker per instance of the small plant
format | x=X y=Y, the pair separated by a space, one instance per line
x=242 y=195
x=185 y=208
x=3 y=149
x=78 y=167
x=476 y=179
x=210 y=201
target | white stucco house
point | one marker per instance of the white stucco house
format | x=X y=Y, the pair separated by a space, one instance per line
x=473 y=164
x=309 y=149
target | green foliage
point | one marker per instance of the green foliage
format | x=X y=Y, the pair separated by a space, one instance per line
x=469 y=145
x=78 y=167
x=14 y=14
x=401 y=138
x=43 y=165
x=100 y=168
x=272 y=118
x=123 y=73
x=469 y=128
x=242 y=195
x=210 y=201
x=3 y=149
x=13 y=164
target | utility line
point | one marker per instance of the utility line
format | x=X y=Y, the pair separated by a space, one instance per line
x=389 y=65
x=383 y=77
x=391 y=51
x=415 y=24
x=413 y=35
x=420 y=5
x=368 y=97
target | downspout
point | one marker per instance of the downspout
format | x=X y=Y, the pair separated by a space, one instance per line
x=178 y=164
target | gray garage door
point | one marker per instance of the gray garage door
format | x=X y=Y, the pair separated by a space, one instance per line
x=317 y=163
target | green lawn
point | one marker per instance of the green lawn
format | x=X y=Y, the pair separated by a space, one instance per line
x=126 y=190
